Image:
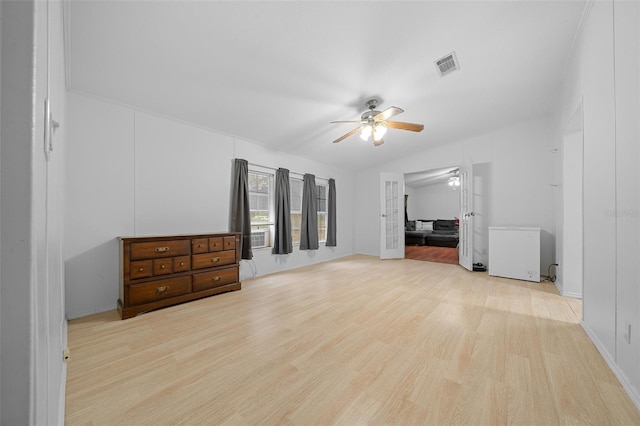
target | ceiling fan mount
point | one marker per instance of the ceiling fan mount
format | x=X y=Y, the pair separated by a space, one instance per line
x=374 y=123
x=371 y=104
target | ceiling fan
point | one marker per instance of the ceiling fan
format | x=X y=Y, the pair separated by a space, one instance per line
x=374 y=123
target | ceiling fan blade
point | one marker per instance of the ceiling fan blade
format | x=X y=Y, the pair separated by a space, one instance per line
x=378 y=142
x=352 y=122
x=405 y=126
x=388 y=113
x=351 y=133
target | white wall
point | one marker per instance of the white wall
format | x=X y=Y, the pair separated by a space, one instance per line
x=412 y=203
x=33 y=327
x=135 y=173
x=570 y=257
x=520 y=191
x=436 y=201
x=603 y=74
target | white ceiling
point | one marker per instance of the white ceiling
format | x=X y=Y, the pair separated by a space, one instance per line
x=277 y=72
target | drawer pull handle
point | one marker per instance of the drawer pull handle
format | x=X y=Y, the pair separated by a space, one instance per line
x=215 y=259
x=160 y=290
x=163 y=266
x=216 y=278
x=141 y=269
x=162 y=249
x=181 y=263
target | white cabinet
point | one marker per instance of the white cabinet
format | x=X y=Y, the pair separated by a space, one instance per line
x=514 y=252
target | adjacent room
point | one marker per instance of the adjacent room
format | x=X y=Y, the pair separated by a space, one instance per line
x=432 y=207
x=318 y=212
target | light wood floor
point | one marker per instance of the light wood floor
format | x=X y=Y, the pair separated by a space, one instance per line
x=353 y=341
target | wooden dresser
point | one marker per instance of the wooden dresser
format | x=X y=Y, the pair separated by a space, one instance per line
x=161 y=271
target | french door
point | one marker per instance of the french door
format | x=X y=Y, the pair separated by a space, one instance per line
x=465 y=231
x=391 y=216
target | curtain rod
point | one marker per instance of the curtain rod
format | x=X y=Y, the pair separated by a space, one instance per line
x=274 y=169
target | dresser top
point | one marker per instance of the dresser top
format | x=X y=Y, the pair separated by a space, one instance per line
x=179 y=236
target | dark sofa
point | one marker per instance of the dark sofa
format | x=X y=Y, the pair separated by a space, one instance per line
x=443 y=234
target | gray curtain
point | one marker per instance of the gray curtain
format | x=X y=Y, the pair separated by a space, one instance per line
x=239 y=214
x=282 y=243
x=309 y=227
x=331 y=215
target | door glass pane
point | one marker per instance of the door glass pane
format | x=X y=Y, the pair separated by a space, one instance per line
x=391 y=214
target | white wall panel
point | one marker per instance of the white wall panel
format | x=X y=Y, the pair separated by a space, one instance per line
x=134 y=173
x=182 y=177
x=627 y=84
x=599 y=175
x=603 y=72
x=99 y=201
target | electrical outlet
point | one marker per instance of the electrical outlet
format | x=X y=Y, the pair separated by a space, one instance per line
x=66 y=354
x=627 y=332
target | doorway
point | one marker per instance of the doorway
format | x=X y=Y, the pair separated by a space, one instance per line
x=431 y=195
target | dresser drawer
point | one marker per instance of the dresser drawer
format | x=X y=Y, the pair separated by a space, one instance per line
x=215 y=278
x=181 y=264
x=140 y=269
x=216 y=244
x=158 y=290
x=229 y=243
x=167 y=248
x=199 y=245
x=210 y=260
x=162 y=266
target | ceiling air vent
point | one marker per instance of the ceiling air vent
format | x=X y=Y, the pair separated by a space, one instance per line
x=447 y=64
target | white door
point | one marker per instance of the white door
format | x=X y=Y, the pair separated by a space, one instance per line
x=391 y=216
x=465 y=245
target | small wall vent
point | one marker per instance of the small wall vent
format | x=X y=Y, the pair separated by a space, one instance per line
x=447 y=64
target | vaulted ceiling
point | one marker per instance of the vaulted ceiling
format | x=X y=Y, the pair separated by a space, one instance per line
x=277 y=72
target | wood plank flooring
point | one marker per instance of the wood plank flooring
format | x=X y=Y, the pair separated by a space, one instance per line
x=432 y=254
x=354 y=341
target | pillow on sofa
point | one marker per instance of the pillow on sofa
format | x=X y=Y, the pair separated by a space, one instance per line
x=410 y=225
x=427 y=226
x=444 y=224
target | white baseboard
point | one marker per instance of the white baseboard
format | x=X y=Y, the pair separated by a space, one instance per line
x=633 y=393
x=572 y=295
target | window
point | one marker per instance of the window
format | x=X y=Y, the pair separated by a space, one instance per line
x=322 y=191
x=296 y=208
x=261 y=208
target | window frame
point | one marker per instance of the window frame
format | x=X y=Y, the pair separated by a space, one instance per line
x=322 y=183
x=295 y=229
x=268 y=225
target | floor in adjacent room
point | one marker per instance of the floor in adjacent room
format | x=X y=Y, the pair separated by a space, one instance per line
x=432 y=254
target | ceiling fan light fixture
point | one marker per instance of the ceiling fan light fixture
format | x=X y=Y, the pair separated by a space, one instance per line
x=379 y=131
x=366 y=132
x=374 y=124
